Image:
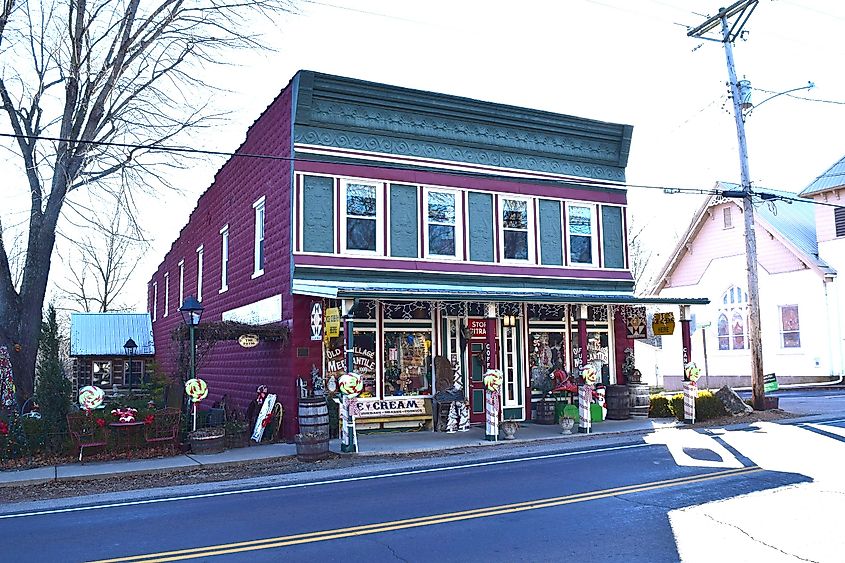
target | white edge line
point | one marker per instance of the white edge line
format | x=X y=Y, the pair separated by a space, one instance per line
x=316 y=483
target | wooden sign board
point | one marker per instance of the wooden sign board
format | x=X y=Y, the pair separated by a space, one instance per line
x=663 y=324
x=248 y=340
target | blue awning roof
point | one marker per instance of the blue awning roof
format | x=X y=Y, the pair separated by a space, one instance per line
x=104 y=334
x=445 y=292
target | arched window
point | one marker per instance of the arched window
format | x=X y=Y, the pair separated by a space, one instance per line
x=733 y=320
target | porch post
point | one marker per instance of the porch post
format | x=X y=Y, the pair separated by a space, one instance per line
x=491 y=349
x=686 y=339
x=582 y=334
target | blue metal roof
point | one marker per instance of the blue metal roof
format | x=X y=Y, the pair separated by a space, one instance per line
x=834 y=177
x=104 y=334
x=795 y=220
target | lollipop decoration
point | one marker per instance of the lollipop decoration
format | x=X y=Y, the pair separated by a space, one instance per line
x=197 y=390
x=692 y=371
x=91 y=397
x=493 y=380
x=351 y=384
x=590 y=375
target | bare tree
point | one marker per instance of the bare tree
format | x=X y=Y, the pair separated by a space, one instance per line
x=640 y=254
x=100 y=266
x=90 y=89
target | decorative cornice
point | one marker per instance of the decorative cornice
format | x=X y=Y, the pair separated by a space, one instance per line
x=347 y=113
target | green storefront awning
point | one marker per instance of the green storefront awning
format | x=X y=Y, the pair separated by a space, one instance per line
x=478 y=292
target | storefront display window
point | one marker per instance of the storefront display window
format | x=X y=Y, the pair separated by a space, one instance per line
x=364 y=359
x=407 y=359
x=546 y=349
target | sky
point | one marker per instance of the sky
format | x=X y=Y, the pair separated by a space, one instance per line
x=620 y=61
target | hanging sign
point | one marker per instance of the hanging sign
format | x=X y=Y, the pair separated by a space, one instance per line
x=316 y=321
x=635 y=323
x=333 y=322
x=478 y=328
x=248 y=340
x=663 y=324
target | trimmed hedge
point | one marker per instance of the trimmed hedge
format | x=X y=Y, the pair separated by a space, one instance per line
x=707 y=406
x=658 y=407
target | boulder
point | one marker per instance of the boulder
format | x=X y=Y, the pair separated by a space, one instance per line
x=733 y=402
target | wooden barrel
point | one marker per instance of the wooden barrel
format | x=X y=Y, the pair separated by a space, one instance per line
x=312 y=447
x=313 y=415
x=545 y=412
x=618 y=402
x=639 y=399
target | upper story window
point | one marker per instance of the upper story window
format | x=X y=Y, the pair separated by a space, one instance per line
x=166 y=293
x=732 y=322
x=224 y=258
x=443 y=229
x=790 y=328
x=581 y=234
x=517 y=233
x=181 y=281
x=155 y=300
x=727 y=218
x=839 y=221
x=362 y=217
x=199 y=273
x=259 y=237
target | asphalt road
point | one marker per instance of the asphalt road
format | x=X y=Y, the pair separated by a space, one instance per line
x=643 y=501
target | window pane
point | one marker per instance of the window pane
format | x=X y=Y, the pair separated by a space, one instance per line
x=101 y=374
x=408 y=356
x=361 y=234
x=738 y=331
x=361 y=200
x=260 y=265
x=580 y=221
x=441 y=240
x=516 y=245
x=791 y=340
x=514 y=214
x=441 y=207
x=364 y=359
x=581 y=250
x=789 y=317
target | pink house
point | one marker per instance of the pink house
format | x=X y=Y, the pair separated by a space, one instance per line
x=801 y=330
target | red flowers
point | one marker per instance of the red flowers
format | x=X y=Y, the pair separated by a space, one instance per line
x=149 y=419
x=4 y=428
x=101 y=422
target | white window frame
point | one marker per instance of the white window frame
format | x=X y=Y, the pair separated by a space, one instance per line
x=155 y=301
x=260 y=248
x=224 y=258
x=199 y=272
x=458 y=225
x=529 y=208
x=379 y=218
x=784 y=332
x=181 y=281
x=594 y=235
x=166 y=294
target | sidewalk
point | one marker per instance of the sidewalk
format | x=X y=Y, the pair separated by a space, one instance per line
x=384 y=443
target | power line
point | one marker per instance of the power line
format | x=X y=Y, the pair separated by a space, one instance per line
x=837 y=102
x=595 y=183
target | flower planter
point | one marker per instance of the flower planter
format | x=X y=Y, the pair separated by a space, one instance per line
x=509 y=428
x=207 y=441
x=236 y=439
x=312 y=446
x=566 y=425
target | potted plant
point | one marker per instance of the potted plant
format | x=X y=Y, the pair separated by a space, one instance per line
x=509 y=428
x=566 y=424
x=209 y=440
x=237 y=429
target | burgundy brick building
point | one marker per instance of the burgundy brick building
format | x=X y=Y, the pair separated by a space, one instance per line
x=482 y=233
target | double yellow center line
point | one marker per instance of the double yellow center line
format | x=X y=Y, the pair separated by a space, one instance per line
x=311 y=537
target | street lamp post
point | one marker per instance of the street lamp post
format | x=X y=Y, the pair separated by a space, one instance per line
x=130 y=347
x=191 y=310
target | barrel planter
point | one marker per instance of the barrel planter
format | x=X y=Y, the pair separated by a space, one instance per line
x=618 y=402
x=639 y=400
x=312 y=446
x=207 y=440
x=313 y=415
x=545 y=412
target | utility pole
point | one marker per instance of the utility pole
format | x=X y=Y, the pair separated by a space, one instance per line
x=742 y=10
